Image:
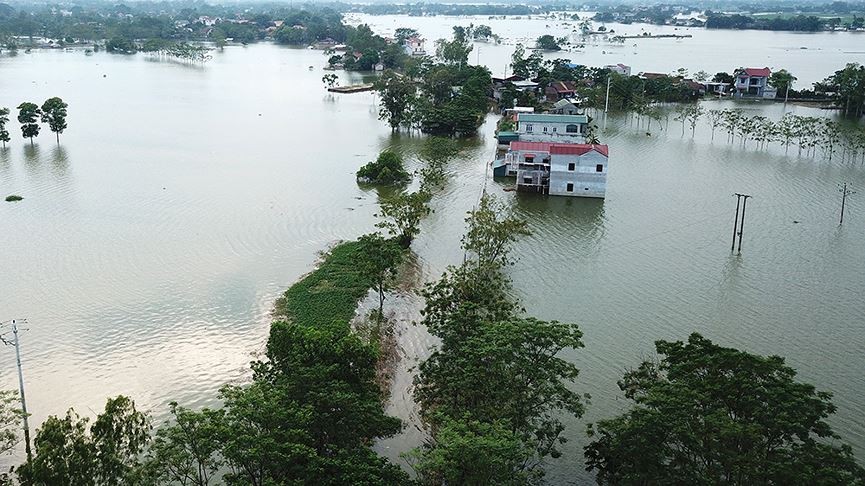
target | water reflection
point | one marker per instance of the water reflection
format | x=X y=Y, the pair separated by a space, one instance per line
x=31 y=157
x=580 y=215
x=59 y=161
x=5 y=160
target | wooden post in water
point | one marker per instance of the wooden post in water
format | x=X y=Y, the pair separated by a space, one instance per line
x=742 y=224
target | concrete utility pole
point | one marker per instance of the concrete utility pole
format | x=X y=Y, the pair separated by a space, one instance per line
x=739 y=223
x=21 y=387
x=845 y=191
x=607 y=98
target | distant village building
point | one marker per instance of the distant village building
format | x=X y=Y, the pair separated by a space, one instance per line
x=559 y=169
x=560 y=89
x=568 y=106
x=414 y=46
x=754 y=83
x=619 y=68
x=717 y=88
x=532 y=127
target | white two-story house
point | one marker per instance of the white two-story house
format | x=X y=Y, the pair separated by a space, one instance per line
x=754 y=83
x=533 y=127
x=559 y=169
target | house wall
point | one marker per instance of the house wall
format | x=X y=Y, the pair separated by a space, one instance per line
x=551 y=132
x=585 y=178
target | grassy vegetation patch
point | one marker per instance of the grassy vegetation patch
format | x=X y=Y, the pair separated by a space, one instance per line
x=328 y=294
x=13 y=198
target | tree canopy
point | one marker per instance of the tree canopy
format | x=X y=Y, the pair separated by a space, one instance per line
x=706 y=414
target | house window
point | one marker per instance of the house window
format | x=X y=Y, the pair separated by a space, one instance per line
x=527 y=180
x=545 y=129
x=572 y=166
x=554 y=129
x=529 y=127
x=599 y=168
x=572 y=129
x=530 y=159
x=570 y=187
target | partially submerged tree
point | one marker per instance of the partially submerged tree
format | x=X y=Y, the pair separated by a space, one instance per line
x=4 y=132
x=28 y=117
x=54 y=114
x=386 y=169
x=378 y=261
x=495 y=389
x=706 y=414
x=401 y=215
x=397 y=94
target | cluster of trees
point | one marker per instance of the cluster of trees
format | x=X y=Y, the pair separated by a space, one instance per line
x=494 y=391
x=53 y=112
x=806 y=23
x=127 y=28
x=847 y=87
x=386 y=169
x=447 y=97
x=366 y=49
x=303 y=27
x=547 y=42
x=177 y=50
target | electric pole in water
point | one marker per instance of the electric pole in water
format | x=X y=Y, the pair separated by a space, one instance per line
x=20 y=386
x=607 y=97
x=739 y=223
x=845 y=191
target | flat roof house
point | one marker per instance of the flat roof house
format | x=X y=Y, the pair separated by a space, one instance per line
x=533 y=127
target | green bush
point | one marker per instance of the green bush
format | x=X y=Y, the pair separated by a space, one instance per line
x=387 y=169
x=13 y=198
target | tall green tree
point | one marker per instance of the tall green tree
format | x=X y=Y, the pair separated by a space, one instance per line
x=848 y=87
x=4 y=132
x=781 y=80
x=706 y=414
x=401 y=215
x=186 y=450
x=455 y=51
x=548 y=43
x=106 y=454
x=397 y=95
x=54 y=114
x=379 y=258
x=28 y=117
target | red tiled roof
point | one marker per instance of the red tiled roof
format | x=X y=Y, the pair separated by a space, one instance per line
x=561 y=148
x=765 y=72
x=578 y=149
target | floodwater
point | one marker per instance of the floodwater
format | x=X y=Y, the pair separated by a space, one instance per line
x=810 y=56
x=182 y=200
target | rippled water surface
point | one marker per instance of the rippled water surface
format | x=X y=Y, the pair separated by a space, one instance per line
x=182 y=200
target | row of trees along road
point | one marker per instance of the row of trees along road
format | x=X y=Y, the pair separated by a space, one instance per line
x=53 y=112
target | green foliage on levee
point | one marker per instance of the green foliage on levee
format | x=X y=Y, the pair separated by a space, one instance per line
x=329 y=293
